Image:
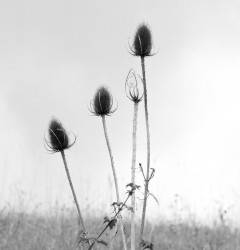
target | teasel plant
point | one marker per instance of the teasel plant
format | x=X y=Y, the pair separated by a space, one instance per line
x=133 y=94
x=59 y=141
x=142 y=47
x=102 y=105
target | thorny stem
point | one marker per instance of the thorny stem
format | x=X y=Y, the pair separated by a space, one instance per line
x=105 y=228
x=148 y=150
x=134 y=147
x=114 y=176
x=73 y=192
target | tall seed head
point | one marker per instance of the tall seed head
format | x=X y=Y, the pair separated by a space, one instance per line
x=142 y=44
x=102 y=102
x=58 y=137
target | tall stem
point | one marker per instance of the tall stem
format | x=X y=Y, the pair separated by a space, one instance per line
x=73 y=192
x=148 y=149
x=114 y=176
x=134 y=147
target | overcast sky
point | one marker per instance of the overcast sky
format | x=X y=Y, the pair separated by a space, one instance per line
x=54 y=55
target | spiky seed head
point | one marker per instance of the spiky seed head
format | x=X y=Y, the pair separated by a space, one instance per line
x=142 y=44
x=102 y=102
x=58 y=137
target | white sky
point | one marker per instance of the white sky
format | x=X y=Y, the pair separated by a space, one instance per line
x=53 y=56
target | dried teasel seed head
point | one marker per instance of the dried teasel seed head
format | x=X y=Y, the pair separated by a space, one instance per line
x=142 y=44
x=58 y=137
x=102 y=102
x=132 y=87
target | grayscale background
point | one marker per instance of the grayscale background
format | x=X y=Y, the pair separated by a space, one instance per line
x=53 y=57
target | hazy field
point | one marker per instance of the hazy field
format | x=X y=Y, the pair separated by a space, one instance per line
x=59 y=231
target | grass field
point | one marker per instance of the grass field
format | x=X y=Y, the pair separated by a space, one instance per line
x=59 y=231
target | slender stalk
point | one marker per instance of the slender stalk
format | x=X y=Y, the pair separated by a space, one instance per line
x=148 y=149
x=111 y=157
x=134 y=147
x=114 y=176
x=73 y=192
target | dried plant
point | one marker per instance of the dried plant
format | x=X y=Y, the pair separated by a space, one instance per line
x=142 y=44
x=102 y=105
x=142 y=47
x=133 y=93
x=58 y=142
x=58 y=137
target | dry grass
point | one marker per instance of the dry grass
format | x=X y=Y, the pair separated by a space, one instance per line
x=59 y=231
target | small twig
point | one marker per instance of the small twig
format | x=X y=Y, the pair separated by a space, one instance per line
x=113 y=220
x=141 y=169
x=151 y=176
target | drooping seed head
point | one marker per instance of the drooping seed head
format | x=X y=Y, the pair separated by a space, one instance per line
x=102 y=102
x=142 y=44
x=58 y=137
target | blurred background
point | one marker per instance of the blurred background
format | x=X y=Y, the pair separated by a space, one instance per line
x=53 y=57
